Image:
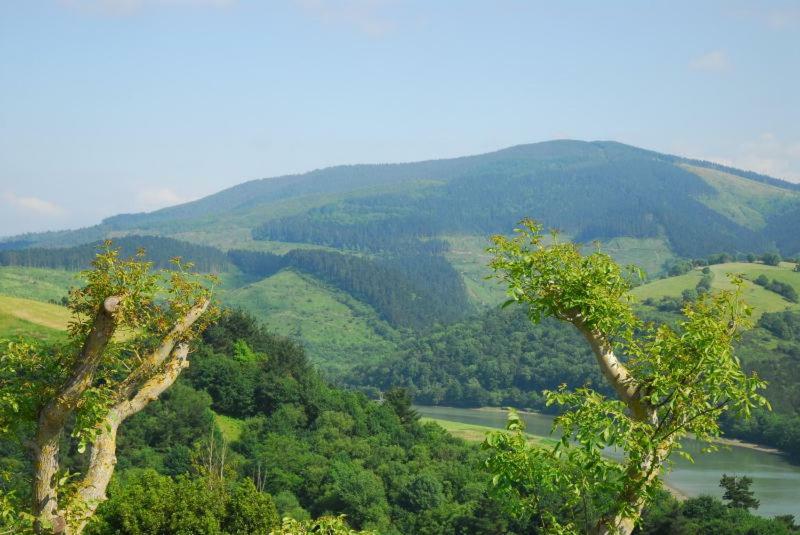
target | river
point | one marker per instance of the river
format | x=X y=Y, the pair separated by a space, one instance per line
x=776 y=482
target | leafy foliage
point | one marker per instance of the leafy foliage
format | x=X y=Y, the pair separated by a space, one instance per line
x=707 y=515
x=81 y=382
x=675 y=381
x=738 y=493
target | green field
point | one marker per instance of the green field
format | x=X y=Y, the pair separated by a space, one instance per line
x=646 y=253
x=37 y=284
x=231 y=428
x=468 y=256
x=338 y=331
x=477 y=433
x=25 y=317
x=760 y=299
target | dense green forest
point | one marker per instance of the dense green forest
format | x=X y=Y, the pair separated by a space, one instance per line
x=160 y=251
x=311 y=448
x=500 y=359
x=251 y=433
x=637 y=197
x=416 y=291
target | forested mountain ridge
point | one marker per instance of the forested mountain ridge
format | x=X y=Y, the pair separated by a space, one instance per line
x=590 y=190
x=348 y=258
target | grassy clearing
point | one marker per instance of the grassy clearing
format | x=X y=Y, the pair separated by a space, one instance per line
x=25 y=317
x=469 y=257
x=646 y=253
x=742 y=200
x=477 y=433
x=37 y=284
x=43 y=314
x=231 y=428
x=338 y=331
x=12 y=327
x=760 y=299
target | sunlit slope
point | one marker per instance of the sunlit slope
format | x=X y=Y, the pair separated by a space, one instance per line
x=746 y=202
x=26 y=317
x=338 y=331
x=759 y=298
x=35 y=283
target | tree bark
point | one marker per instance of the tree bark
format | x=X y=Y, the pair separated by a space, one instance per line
x=53 y=417
x=628 y=390
x=155 y=374
x=103 y=459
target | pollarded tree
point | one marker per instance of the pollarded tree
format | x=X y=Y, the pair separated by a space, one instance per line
x=669 y=382
x=126 y=344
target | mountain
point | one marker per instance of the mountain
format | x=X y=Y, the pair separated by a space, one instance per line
x=354 y=259
x=590 y=190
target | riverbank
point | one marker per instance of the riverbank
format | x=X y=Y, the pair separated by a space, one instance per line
x=723 y=441
x=477 y=433
x=776 y=481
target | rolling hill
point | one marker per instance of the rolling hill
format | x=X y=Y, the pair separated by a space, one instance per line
x=26 y=317
x=590 y=190
x=351 y=259
x=761 y=299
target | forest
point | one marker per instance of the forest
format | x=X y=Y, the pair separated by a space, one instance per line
x=252 y=439
x=160 y=251
x=251 y=434
x=500 y=359
x=415 y=291
x=626 y=197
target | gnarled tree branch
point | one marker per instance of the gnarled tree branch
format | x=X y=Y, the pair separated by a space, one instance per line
x=53 y=416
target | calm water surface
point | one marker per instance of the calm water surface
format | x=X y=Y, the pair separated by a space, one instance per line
x=776 y=482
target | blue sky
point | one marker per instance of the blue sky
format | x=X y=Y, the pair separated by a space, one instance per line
x=110 y=106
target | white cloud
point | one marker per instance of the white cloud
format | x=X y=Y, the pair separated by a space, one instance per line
x=714 y=61
x=151 y=199
x=128 y=7
x=366 y=16
x=33 y=205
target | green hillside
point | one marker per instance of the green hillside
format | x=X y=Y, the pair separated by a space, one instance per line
x=761 y=299
x=25 y=317
x=36 y=283
x=744 y=201
x=338 y=331
x=590 y=190
x=394 y=247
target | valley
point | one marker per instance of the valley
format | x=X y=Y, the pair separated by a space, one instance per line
x=380 y=274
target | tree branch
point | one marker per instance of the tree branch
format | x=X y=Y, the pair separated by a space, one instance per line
x=626 y=387
x=54 y=414
x=157 y=357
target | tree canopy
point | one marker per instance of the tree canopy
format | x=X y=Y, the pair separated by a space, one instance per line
x=668 y=382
